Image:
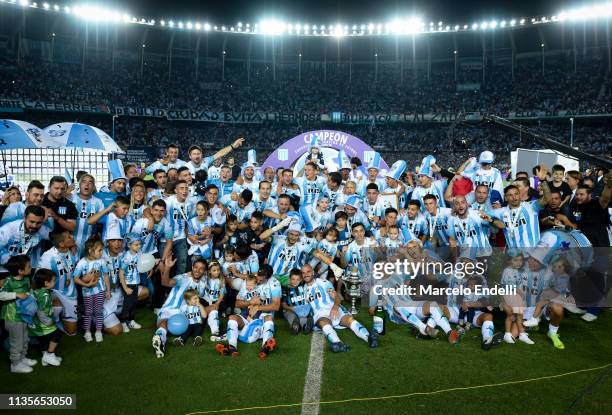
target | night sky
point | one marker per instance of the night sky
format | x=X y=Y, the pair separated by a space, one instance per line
x=345 y=11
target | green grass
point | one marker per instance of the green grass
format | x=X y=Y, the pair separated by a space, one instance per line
x=122 y=375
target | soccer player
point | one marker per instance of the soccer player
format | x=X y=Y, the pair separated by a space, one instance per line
x=178 y=213
x=469 y=230
x=414 y=221
x=286 y=186
x=33 y=197
x=437 y=221
x=335 y=190
x=295 y=309
x=485 y=173
x=279 y=212
x=374 y=206
x=195 y=280
x=112 y=255
x=224 y=183
x=328 y=314
x=522 y=227
x=311 y=184
x=169 y=161
x=262 y=199
x=62 y=262
x=24 y=237
x=428 y=186
x=87 y=205
x=242 y=208
x=161 y=180
x=116 y=223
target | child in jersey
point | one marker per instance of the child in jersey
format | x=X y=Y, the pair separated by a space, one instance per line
x=328 y=246
x=114 y=217
x=514 y=304
x=199 y=234
x=230 y=235
x=129 y=277
x=232 y=269
x=213 y=297
x=43 y=327
x=295 y=309
x=466 y=310
x=344 y=232
x=559 y=293
x=391 y=242
x=194 y=311
x=91 y=274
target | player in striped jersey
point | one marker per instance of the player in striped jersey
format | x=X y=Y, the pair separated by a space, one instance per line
x=279 y=212
x=360 y=253
x=161 y=179
x=484 y=173
x=86 y=205
x=34 y=196
x=522 y=228
x=195 y=280
x=413 y=220
x=62 y=262
x=114 y=218
x=334 y=189
x=178 y=213
x=112 y=307
x=214 y=292
x=169 y=161
x=391 y=220
x=242 y=208
x=437 y=221
x=295 y=309
x=311 y=184
x=319 y=217
x=262 y=199
x=469 y=229
x=329 y=246
x=224 y=183
x=247 y=180
x=153 y=231
x=24 y=236
x=199 y=235
x=328 y=314
x=374 y=206
x=287 y=186
x=355 y=214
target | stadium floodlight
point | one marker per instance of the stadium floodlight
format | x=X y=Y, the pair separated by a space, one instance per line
x=163 y=23
x=493 y=24
x=180 y=25
x=447 y=28
x=24 y=3
x=46 y=6
x=512 y=22
x=338 y=31
x=215 y=27
x=171 y=23
x=189 y=25
x=56 y=7
x=207 y=27
x=272 y=27
x=465 y=27
x=474 y=26
x=484 y=25
x=223 y=28
x=503 y=23
x=198 y=26
x=456 y=27
x=522 y=21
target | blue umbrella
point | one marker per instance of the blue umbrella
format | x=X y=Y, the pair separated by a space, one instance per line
x=20 y=134
x=16 y=134
x=76 y=135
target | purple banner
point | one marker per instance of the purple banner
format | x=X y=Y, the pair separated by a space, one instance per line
x=293 y=152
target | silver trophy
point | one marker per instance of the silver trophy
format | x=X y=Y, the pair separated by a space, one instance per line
x=353 y=283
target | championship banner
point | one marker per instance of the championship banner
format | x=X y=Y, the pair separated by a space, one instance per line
x=294 y=151
x=139 y=154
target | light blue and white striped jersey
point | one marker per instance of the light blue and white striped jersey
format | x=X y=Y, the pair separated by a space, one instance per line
x=206 y=161
x=161 y=231
x=195 y=228
x=192 y=312
x=491 y=178
x=522 y=226
x=178 y=214
x=377 y=209
x=215 y=288
x=289 y=191
x=165 y=167
x=269 y=290
x=85 y=208
x=437 y=189
x=16 y=210
x=310 y=189
x=359 y=217
x=115 y=227
x=471 y=232
x=314 y=219
x=135 y=214
x=361 y=256
x=113 y=263
x=514 y=277
x=184 y=282
x=417 y=226
x=242 y=214
x=282 y=257
x=336 y=197
x=253 y=186
x=63 y=265
x=328 y=248
x=405 y=236
x=261 y=205
x=225 y=189
x=438 y=225
x=129 y=264
x=317 y=295
x=534 y=282
x=214 y=173
x=98 y=267
x=14 y=241
x=473 y=204
x=398 y=299
x=402 y=197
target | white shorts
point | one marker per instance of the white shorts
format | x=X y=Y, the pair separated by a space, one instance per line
x=112 y=308
x=252 y=330
x=166 y=313
x=325 y=314
x=529 y=312
x=69 y=306
x=416 y=309
x=454 y=316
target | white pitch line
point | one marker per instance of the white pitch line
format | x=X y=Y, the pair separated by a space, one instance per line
x=312 y=385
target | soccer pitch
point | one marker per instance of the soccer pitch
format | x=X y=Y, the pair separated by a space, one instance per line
x=403 y=376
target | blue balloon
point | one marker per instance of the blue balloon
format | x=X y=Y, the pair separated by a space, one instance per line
x=177 y=324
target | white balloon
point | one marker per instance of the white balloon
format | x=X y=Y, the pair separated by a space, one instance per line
x=146 y=262
x=237 y=284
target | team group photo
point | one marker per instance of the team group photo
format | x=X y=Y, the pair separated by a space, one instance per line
x=279 y=215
